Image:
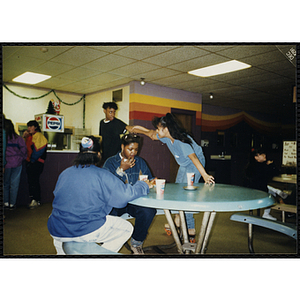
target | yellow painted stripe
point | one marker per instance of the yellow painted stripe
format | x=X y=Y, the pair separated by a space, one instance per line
x=164 y=102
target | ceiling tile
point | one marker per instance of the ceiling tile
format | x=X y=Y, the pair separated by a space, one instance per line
x=157 y=74
x=173 y=79
x=20 y=64
x=53 y=68
x=35 y=51
x=102 y=78
x=106 y=48
x=7 y=51
x=240 y=52
x=177 y=55
x=109 y=62
x=134 y=69
x=262 y=59
x=215 y=48
x=142 y=52
x=79 y=73
x=54 y=83
x=78 y=56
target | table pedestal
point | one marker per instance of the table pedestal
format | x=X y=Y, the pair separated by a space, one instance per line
x=185 y=246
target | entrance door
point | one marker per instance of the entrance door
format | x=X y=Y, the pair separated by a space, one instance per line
x=187 y=122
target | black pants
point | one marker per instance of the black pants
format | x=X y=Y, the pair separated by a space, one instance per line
x=34 y=171
x=143 y=219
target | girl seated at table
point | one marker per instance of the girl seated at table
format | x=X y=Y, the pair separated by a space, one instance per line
x=84 y=195
x=187 y=153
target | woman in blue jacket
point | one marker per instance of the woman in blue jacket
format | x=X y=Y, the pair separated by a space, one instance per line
x=84 y=195
x=128 y=167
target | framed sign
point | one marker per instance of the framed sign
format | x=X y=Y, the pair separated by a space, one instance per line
x=289 y=155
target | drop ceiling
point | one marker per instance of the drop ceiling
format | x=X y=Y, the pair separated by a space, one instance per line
x=266 y=87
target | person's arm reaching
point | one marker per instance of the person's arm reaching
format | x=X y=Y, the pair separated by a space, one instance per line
x=207 y=178
x=142 y=130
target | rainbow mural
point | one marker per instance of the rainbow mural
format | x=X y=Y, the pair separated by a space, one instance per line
x=145 y=107
x=151 y=100
x=212 y=123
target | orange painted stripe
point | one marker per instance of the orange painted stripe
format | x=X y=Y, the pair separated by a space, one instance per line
x=148 y=108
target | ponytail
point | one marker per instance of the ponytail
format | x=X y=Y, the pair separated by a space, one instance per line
x=174 y=126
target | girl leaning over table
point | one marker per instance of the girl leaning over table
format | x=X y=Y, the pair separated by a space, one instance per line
x=187 y=153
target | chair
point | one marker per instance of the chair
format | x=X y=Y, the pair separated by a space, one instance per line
x=86 y=248
x=285 y=208
x=285 y=228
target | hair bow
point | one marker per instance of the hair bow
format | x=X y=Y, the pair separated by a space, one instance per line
x=87 y=143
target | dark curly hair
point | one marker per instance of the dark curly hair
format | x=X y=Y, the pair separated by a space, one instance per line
x=130 y=138
x=110 y=105
x=174 y=126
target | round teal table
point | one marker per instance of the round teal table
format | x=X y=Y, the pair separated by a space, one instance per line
x=206 y=198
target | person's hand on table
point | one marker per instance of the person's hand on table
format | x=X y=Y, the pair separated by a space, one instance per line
x=150 y=183
x=153 y=181
x=208 y=179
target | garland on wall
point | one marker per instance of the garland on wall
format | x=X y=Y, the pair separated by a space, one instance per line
x=52 y=91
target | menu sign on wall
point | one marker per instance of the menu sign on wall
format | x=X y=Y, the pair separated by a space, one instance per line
x=289 y=155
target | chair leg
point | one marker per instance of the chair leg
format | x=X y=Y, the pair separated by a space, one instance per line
x=250 y=238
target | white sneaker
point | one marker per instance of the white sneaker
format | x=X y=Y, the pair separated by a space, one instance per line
x=137 y=250
x=33 y=204
x=268 y=216
x=275 y=191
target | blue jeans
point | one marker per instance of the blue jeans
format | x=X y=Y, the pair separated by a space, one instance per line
x=143 y=219
x=12 y=178
x=182 y=178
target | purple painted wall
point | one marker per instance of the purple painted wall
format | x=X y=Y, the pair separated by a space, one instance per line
x=54 y=165
x=156 y=154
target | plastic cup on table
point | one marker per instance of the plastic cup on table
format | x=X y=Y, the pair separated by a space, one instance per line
x=160 y=186
x=190 y=179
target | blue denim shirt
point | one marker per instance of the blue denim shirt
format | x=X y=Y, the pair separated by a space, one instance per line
x=130 y=175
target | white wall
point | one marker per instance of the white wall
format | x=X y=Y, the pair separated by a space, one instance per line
x=94 y=111
x=21 y=110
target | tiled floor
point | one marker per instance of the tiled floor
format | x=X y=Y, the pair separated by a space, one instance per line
x=25 y=233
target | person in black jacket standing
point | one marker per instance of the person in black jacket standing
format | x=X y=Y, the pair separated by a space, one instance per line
x=110 y=130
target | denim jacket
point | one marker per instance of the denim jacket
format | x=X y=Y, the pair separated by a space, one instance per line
x=130 y=175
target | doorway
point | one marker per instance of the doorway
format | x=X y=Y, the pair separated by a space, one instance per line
x=187 y=119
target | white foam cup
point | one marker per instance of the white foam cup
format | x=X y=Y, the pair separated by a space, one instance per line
x=160 y=186
x=190 y=178
x=143 y=177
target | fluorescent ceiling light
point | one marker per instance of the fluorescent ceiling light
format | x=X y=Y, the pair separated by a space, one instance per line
x=31 y=78
x=227 y=67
